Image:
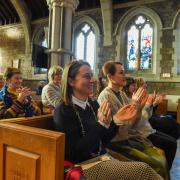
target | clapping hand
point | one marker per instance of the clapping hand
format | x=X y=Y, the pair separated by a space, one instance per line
x=126 y=115
x=24 y=92
x=159 y=98
x=140 y=97
x=151 y=98
x=104 y=113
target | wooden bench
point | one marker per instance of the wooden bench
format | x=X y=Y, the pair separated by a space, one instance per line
x=178 y=112
x=29 y=151
x=162 y=107
x=26 y=141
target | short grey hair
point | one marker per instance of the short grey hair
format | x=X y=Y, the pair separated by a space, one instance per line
x=53 y=71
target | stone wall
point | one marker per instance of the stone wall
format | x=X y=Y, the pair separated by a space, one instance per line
x=12 y=46
x=167 y=12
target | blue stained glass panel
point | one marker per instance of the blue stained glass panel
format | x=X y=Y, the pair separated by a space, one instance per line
x=146 y=47
x=132 y=49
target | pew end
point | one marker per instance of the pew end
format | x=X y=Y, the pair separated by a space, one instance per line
x=44 y=121
x=30 y=152
x=162 y=107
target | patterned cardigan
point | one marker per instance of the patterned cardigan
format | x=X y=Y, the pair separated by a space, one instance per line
x=141 y=126
x=11 y=108
x=108 y=94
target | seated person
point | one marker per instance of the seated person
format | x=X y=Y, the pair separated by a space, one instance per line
x=51 y=92
x=1 y=81
x=114 y=72
x=159 y=139
x=15 y=100
x=88 y=128
x=40 y=86
x=165 y=123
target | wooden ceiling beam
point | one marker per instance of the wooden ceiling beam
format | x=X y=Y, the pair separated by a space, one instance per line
x=40 y=6
x=2 y=18
x=4 y=3
x=4 y=13
x=135 y=3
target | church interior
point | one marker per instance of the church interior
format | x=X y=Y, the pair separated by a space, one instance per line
x=41 y=41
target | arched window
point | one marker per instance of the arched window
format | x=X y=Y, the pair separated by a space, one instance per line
x=139 y=51
x=85 y=43
x=40 y=39
x=176 y=45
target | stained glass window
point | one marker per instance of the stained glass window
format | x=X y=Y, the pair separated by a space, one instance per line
x=146 y=47
x=133 y=41
x=139 y=43
x=85 y=43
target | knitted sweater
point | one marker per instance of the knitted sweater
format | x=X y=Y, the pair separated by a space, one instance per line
x=141 y=127
x=51 y=95
x=11 y=108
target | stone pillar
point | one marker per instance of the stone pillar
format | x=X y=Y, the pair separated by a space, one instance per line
x=107 y=15
x=60 y=29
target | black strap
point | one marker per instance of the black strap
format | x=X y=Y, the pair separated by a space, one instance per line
x=118 y=95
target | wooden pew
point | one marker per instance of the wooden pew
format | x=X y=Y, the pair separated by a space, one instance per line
x=28 y=152
x=162 y=107
x=178 y=112
x=39 y=104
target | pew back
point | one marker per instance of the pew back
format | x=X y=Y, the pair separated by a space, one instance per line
x=162 y=107
x=178 y=112
x=44 y=121
x=29 y=152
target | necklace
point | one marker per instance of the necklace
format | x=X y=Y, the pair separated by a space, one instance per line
x=83 y=130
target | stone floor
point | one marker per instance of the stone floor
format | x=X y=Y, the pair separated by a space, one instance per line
x=175 y=171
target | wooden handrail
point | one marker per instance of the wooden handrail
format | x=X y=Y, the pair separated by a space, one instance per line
x=34 y=118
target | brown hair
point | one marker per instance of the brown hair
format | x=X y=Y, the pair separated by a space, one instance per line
x=100 y=85
x=70 y=72
x=10 y=72
x=129 y=81
x=110 y=68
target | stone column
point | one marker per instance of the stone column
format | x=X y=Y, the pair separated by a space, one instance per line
x=60 y=29
x=107 y=15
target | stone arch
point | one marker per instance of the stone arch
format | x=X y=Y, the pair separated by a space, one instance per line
x=176 y=44
x=24 y=15
x=96 y=28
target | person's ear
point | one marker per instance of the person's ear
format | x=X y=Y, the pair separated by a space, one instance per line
x=71 y=82
x=110 y=77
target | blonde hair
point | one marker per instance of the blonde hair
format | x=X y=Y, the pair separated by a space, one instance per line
x=53 y=71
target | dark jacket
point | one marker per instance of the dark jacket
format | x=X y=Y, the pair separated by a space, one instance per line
x=78 y=147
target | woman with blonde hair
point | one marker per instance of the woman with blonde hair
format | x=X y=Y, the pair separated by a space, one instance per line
x=15 y=100
x=51 y=92
x=89 y=128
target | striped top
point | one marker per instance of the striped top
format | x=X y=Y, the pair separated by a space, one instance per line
x=15 y=108
x=51 y=95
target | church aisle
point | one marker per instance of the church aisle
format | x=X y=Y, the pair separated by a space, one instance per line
x=175 y=171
